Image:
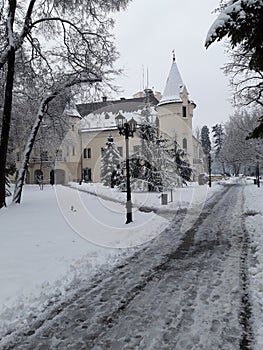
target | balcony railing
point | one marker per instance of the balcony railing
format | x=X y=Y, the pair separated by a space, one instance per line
x=41 y=159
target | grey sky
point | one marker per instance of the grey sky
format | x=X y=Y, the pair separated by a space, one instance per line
x=148 y=31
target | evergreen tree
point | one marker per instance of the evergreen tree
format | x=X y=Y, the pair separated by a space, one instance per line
x=218 y=135
x=144 y=163
x=182 y=164
x=205 y=140
x=155 y=163
x=110 y=164
x=168 y=170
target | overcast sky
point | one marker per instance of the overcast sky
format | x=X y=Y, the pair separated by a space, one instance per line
x=148 y=31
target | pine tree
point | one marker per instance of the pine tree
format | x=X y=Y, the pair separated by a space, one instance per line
x=168 y=171
x=205 y=140
x=110 y=164
x=218 y=135
x=155 y=163
x=182 y=164
x=144 y=163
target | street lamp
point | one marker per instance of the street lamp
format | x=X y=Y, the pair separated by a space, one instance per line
x=257 y=173
x=127 y=129
x=209 y=169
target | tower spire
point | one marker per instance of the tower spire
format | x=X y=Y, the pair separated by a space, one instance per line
x=173 y=55
x=174 y=86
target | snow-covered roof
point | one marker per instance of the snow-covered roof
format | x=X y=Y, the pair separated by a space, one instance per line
x=71 y=109
x=129 y=104
x=105 y=119
x=174 y=86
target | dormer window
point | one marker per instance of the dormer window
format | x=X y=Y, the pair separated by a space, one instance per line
x=184 y=112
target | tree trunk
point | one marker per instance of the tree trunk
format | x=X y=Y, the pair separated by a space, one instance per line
x=6 y=122
x=27 y=151
x=223 y=167
x=32 y=137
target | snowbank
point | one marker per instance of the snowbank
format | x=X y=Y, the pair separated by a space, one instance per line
x=253 y=212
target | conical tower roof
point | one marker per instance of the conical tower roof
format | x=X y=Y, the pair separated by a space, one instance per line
x=174 y=86
x=71 y=109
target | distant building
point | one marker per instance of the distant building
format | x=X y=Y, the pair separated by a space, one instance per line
x=90 y=124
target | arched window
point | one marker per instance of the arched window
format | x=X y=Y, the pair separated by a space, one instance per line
x=184 y=112
x=185 y=144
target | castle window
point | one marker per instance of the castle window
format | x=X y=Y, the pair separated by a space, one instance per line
x=73 y=150
x=185 y=144
x=184 y=111
x=87 y=153
x=87 y=174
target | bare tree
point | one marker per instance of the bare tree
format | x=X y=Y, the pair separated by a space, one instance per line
x=237 y=151
x=247 y=84
x=53 y=38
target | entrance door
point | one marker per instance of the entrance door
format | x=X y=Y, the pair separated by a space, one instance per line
x=60 y=176
x=38 y=174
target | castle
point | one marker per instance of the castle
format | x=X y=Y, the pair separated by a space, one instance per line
x=90 y=124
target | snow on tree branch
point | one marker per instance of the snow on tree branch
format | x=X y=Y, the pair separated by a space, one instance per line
x=241 y=22
x=231 y=17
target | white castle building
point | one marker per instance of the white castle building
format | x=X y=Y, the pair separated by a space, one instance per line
x=91 y=124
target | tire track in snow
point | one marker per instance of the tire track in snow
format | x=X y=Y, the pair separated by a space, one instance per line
x=246 y=308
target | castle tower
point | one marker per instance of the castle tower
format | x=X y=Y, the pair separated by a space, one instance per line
x=175 y=110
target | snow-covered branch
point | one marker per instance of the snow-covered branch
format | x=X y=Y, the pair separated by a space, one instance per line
x=33 y=133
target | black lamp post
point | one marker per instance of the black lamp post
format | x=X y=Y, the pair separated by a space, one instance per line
x=127 y=129
x=209 y=170
x=257 y=174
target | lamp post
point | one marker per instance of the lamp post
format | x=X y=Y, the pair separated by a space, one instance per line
x=127 y=129
x=257 y=174
x=209 y=169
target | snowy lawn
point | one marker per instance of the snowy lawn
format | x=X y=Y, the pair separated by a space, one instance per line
x=178 y=198
x=253 y=212
x=61 y=236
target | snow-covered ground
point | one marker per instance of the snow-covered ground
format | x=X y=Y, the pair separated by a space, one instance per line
x=59 y=237
x=253 y=213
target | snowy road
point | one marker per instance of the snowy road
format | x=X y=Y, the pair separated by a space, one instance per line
x=182 y=291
